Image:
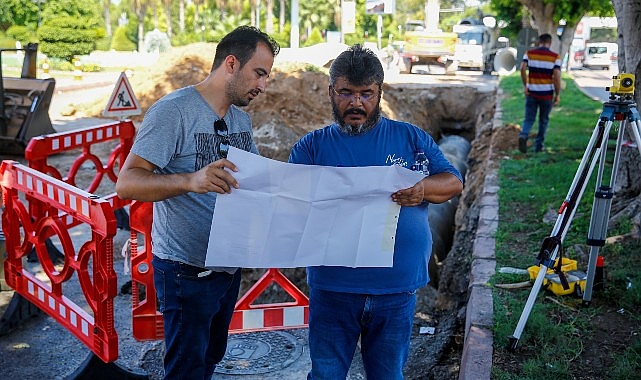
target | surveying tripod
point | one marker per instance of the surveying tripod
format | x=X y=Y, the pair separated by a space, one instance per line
x=621 y=108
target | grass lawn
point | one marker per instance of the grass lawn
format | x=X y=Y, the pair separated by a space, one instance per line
x=562 y=339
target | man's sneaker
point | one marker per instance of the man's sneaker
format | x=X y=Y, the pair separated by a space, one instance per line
x=523 y=144
x=539 y=149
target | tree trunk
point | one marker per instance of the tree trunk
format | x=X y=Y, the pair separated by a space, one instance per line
x=107 y=15
x=181 y=16
x=155 y=11
x=141 y=35
x=281 y=17
x=628 y=13
x=197 y=17
x=269 y=17
x=252 y=14
x=168 y=4
x=566 y=40
x=542 y=19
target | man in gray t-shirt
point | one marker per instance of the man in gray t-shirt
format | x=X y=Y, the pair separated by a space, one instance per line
x=178 y=161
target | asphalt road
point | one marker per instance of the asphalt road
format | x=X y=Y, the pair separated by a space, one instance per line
x=594 y=82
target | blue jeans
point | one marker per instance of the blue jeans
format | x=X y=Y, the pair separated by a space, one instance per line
x=337 y=320
x=532 y=105
x=196 y=314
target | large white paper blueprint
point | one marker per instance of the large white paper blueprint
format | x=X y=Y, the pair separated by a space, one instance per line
x=288 y=215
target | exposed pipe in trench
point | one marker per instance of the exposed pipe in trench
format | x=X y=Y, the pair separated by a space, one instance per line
x=441 y=215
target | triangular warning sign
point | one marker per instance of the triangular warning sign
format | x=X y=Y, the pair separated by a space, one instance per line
x=123 y=101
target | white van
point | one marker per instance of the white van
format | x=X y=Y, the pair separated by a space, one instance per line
x=600 y=55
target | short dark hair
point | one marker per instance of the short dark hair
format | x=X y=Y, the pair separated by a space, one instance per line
x=241 y=43
x=545 y=38
x=360 y=65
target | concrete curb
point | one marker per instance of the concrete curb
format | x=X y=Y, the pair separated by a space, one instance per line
x=476 y=360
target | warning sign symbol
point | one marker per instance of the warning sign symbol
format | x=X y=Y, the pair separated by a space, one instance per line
x=122 y=102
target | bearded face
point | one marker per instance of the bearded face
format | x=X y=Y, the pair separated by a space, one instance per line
x=342 y=117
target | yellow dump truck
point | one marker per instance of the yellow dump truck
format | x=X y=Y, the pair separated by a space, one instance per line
x=424 y=46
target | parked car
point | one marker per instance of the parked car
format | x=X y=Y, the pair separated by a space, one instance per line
x=600 y=55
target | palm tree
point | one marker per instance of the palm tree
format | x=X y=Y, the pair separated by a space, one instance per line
x=168 y=4
x=107 y=15
x=140 y=9
x=281 y=17
x=181 y=15
x=318 y=13
x=269 y=18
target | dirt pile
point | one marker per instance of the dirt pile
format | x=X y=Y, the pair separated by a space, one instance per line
x=295 y=96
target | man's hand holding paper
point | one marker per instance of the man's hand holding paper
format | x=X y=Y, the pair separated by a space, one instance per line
x=287 y=215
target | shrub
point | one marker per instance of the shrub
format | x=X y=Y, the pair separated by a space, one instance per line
x=91 y=67
x=157 y=41
x=7 y=43
x=315 y=37
x=66 y=37
x=103 y=44
x=20 y=33
x=120 y=41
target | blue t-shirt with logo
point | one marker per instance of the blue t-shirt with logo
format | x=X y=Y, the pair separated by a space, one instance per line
x=390 y=142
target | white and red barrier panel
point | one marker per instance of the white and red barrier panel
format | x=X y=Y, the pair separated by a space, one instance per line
x=41 y=148
x=92 y=262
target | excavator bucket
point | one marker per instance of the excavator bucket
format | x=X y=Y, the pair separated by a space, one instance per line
x=24 y=104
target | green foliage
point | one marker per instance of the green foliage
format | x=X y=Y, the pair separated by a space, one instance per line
x=314 y=38
x=185 y=38
x=66 y=37
x=7 y=43
x=221 y=28
x=283 y=37
x=120 y=41
x=60 y=65
x=318 y=14
x=18 y=12
x=628 y=365
x=103 y=44
x=91 y=67
x=21 y=33
x=570 y=11
x=70 y=28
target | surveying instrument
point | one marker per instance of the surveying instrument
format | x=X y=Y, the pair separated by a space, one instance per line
x=620 y=108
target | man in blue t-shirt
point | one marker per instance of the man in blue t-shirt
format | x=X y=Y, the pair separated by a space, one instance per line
x=373 y=304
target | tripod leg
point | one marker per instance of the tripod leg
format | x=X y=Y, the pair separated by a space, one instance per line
x=602 y=205
x=566 y=213
x=596 y=235
x=513 y=340
x=636 y=132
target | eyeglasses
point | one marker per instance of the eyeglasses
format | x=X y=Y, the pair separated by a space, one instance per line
x=351 y=97
x=220 y=127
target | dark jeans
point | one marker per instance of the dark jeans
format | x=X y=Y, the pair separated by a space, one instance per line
x=338 y=320
x=196 y=313
x=532 y=105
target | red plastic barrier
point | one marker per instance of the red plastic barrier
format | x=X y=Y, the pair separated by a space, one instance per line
x=147 y=321
x=93 y=262
x=272 y=316
x=40 y=148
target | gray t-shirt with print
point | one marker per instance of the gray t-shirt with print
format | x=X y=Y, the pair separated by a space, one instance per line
x=177 y=135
